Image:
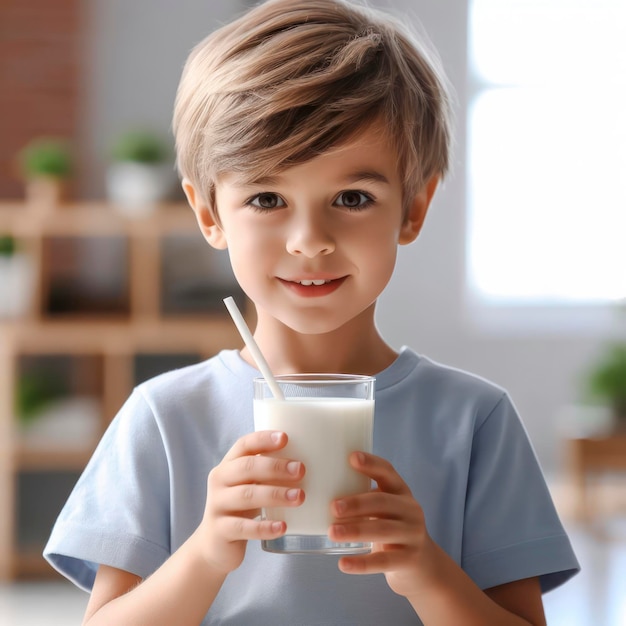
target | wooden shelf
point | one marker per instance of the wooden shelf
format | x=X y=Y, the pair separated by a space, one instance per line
x=103 y=346
x=28 y=563
x=588 y=456
x=95 y=219
x=77 y=335
x=47 y=458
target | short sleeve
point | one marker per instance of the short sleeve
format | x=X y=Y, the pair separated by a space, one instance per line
x=511 y=530
x=118 y=512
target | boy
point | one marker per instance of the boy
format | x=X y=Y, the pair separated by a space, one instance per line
x=311 y=136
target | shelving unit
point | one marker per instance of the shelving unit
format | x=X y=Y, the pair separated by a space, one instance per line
x=101 y=348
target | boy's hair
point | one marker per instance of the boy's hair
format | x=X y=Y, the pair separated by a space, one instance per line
x=292 y=79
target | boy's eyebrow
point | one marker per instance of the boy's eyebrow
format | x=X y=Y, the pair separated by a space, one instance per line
x=352 y=177
x=259 y=182
x=367 y=175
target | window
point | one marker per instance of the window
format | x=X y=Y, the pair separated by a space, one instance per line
x=547 y=152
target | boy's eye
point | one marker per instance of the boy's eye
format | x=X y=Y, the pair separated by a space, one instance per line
x=353 y=199
x=266 y=201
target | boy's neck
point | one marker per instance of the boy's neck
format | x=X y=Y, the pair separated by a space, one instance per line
x=355 y=348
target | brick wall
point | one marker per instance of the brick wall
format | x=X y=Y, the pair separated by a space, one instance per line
x=39 y=77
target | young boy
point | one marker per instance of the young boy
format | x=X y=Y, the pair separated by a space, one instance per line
x=311 y=137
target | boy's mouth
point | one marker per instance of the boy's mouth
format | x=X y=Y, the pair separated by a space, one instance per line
x=313 y=286
x=307 y=283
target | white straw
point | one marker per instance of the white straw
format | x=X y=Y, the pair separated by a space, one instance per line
x=251 y=344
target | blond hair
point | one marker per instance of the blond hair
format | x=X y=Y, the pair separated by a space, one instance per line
x=291 y=79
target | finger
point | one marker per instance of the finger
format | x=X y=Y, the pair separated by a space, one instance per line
x=375 y=562
x=241 y=528
x=257 y=443
x=388 y=532
x=252 y=497
x=378 y=504
x=261 y=469
x=380 y=470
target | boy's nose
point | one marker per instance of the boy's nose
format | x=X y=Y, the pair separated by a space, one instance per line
x=309 y=237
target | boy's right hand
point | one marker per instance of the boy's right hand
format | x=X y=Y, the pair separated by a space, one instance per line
x=245 y=481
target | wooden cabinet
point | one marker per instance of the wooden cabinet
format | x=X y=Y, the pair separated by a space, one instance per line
x=598 y=456
x=97 y=348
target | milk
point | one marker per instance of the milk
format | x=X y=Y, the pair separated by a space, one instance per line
x=322 y=433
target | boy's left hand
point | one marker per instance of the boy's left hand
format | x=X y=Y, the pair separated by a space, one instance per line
x=393 y=520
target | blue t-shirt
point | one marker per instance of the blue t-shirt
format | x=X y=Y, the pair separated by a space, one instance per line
x=456 y=439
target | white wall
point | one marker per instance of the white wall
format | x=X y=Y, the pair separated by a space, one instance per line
x=133 y=59
x=425 y=304
x=134 y=51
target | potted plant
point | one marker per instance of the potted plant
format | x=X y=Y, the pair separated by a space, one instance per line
x=7 y=246
x=50 y=413
x=34 y=391
x=607 y=382
x=16 y=278
x=46 y=164
x=141 y=173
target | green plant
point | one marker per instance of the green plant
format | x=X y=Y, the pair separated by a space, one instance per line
x=7 y=245
x=607 y=379
x=35 y=391
x=46 y=157
x=140 y=147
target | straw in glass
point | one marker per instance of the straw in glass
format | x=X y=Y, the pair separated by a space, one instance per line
x=251 y=344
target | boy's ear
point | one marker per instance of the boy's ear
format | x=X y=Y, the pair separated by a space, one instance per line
x=414 y=219
x=211 y=230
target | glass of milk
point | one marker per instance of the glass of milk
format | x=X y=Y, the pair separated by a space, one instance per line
x=326 y=417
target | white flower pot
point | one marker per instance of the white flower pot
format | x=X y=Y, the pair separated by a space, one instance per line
x=17 y=282
x=136 y=188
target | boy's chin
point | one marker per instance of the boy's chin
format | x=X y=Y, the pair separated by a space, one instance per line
x=317 y=324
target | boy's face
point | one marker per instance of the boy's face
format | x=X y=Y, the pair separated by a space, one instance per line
x=314 y=245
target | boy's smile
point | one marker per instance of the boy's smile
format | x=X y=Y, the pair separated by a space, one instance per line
x=313 y=287
x=314 y=245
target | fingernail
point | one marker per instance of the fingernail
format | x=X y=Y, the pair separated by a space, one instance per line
x=340 y=505
x=275 y=437
x=360 y=457
x=293 y=467
x=292 y=494
x=276 y=527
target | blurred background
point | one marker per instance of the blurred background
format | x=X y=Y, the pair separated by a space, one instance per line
x=518 y=275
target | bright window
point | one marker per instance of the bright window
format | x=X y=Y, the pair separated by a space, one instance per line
x=547 y=151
